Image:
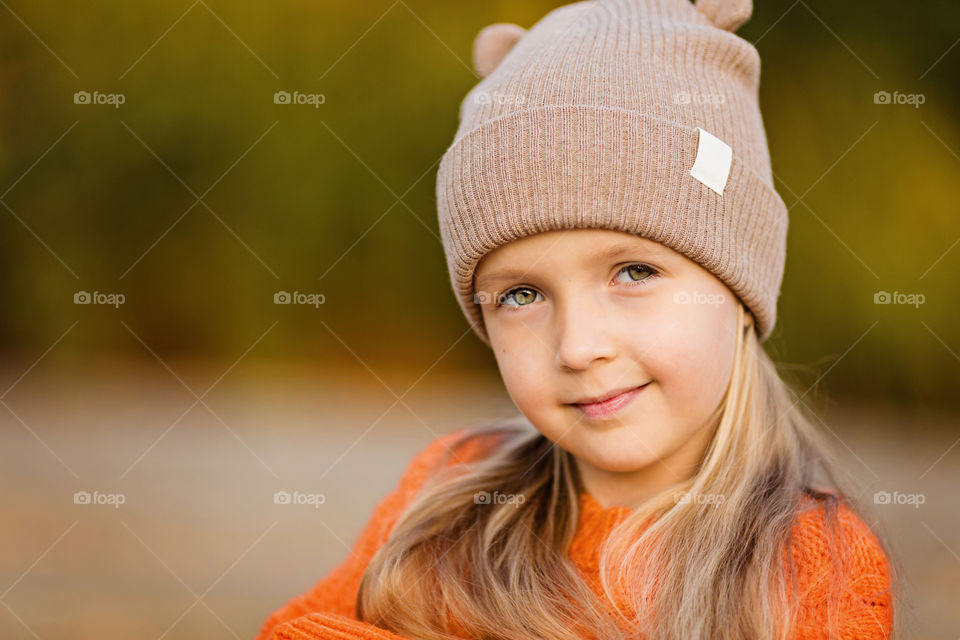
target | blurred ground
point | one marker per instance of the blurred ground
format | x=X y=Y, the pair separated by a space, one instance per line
x=198 y=549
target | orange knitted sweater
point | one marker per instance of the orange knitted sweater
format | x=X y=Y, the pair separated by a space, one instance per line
x=326 y=611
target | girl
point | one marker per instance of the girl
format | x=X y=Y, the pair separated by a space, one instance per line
x=612 y=233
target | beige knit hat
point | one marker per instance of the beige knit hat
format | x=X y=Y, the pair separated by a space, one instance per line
x=632 y=115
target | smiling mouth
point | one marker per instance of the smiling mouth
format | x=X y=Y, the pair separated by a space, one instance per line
x=609 y=406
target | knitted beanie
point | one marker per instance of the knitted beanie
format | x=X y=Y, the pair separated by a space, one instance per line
x=639 y=116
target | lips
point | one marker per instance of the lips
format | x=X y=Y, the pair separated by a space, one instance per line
x=611 y=404
x=606 y=396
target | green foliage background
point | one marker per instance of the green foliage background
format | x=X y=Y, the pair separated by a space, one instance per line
x=339 y=200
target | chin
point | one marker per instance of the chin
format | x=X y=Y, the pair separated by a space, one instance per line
x=621 y=458
x=620 y=464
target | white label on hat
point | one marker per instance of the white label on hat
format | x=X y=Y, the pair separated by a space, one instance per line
x=712 y=166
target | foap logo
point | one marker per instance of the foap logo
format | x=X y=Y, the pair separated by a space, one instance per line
x=97 y=297
x=297 y=297
x=691 y=497
x=698 y=297
x=486 y=297
x=486 y=97
x=913 y=499
x=485 y=497
x=111 y=499
x=696 y=97
x=897 y=297
x=296 y=97
x=913 y=99
x=112 y=99
x=298 y=497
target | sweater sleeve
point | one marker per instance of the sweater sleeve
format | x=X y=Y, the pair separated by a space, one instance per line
x=327 y=610
x=859 y=587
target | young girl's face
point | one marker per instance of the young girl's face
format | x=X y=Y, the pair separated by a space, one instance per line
x=582 y=314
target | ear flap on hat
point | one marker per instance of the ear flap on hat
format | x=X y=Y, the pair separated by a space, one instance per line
x=726 y=14
x=492 y=44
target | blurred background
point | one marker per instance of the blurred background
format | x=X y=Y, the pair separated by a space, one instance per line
x=169 y=171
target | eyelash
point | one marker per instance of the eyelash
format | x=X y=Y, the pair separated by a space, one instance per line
x=636 y=283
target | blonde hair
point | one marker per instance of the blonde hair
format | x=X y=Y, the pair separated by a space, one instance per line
x=454 y=566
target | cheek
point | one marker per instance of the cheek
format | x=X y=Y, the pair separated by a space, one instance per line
x=520 y=368
x=690 y=355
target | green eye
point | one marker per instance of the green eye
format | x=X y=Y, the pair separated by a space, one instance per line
x=521 y=295
x=639 y=272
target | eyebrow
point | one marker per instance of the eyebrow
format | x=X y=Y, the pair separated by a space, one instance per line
x=609 y=253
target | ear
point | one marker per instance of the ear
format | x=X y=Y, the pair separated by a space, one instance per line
x=726 y=14
x=492 y=44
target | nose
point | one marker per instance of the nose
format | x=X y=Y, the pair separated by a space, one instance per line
x=582 y=334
